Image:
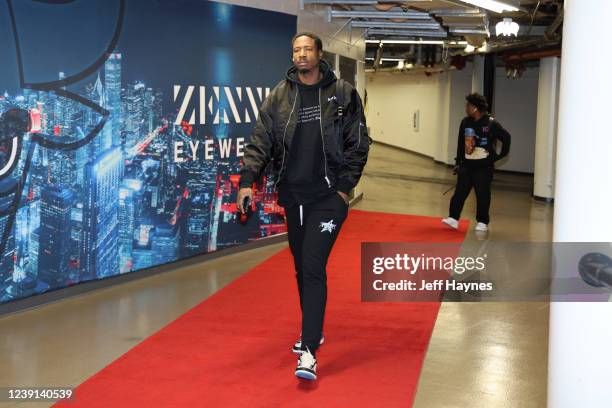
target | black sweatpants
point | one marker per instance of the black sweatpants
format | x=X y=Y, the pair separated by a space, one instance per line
x=480 y=178
x=312 y=231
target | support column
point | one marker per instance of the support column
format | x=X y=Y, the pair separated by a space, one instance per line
x=580 y=335
x=478 y=70
x=546 y=129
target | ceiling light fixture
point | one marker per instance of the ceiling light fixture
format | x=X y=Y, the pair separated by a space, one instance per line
x=507 y=28
x=493 y=5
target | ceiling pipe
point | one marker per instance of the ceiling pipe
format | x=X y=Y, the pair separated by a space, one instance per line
x=381 y=14
x=550 y=33
x=332 y=2
x=407 y=33
x=385 y=24
x=526 y=43
x=464 y=31
x=532 y=55
x=463 y=24
x=454 y=12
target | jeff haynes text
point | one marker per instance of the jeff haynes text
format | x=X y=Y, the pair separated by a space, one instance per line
x=438 y=284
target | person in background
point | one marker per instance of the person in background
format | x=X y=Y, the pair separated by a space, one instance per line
x=475 y=162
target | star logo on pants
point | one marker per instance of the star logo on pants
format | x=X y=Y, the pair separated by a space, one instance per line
x=328 y=226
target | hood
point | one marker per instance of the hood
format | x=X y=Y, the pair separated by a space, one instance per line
x=328 y=75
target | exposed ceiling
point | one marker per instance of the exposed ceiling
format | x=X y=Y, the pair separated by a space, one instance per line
x=440 y=30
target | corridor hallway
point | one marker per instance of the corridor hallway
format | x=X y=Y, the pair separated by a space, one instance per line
x=480 y=354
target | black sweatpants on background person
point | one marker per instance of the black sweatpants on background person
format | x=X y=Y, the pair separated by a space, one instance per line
x=312 y=230
x=480 y=178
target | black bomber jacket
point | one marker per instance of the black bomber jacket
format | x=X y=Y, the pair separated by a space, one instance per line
x=345 y=138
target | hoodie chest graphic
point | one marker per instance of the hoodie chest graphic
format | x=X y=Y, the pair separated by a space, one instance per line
x=308 y=114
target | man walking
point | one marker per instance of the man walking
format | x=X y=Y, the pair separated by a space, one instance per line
x=313 y=130
x=476 y=155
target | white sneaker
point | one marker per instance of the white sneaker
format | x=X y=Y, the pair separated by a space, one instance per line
x=306 y=366
x=297 y=347
x=482 y=227
x=451 y=222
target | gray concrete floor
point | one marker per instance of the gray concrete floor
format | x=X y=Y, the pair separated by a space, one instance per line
x=480 y=355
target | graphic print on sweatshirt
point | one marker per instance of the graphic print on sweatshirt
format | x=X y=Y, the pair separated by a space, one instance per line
x=480 y=140
x=309 y=114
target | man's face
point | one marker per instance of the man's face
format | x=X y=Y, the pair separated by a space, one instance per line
x=470 y=109
x=306 y=56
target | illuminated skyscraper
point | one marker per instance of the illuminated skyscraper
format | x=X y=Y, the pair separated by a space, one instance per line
x=99 y=254
x=135 y=115
x=129 y=193
x=54 y=240
x=164 y=244
x=112 y=81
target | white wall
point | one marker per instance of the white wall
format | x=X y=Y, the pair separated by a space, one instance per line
x=440 y=100
x=461 y=85
x=393 y=98
x=516 y=107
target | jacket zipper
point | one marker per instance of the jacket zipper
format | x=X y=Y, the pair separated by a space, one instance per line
x=297 y=91
x=322 y=139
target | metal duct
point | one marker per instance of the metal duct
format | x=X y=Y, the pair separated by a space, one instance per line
x=386 y=24
x=408 y=33
x=381 y=14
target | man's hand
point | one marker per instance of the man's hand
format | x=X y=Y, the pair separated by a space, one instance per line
x=344 y=197
x=242 y=194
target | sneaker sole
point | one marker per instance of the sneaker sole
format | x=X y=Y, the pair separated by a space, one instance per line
x=300 y=351
x=306 y=375
x=450 y=226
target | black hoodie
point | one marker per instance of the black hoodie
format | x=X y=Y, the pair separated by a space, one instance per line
x=344 y=146
x=305 y=178
x=487 y=132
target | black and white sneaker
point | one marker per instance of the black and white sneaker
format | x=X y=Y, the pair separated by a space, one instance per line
x=297 y=347
x=306 y=366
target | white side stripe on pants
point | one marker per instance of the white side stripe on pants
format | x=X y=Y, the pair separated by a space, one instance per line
x=301 y=215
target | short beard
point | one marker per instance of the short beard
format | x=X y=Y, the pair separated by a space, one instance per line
x=303 y=71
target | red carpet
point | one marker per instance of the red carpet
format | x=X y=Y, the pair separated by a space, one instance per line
x=233 y=349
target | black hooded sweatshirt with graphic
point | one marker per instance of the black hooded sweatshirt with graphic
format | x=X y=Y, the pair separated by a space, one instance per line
x=305 y=178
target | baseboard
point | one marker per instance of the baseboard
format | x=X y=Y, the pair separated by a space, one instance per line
x=517 y=173
x=404 y=149
x=548 y=200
